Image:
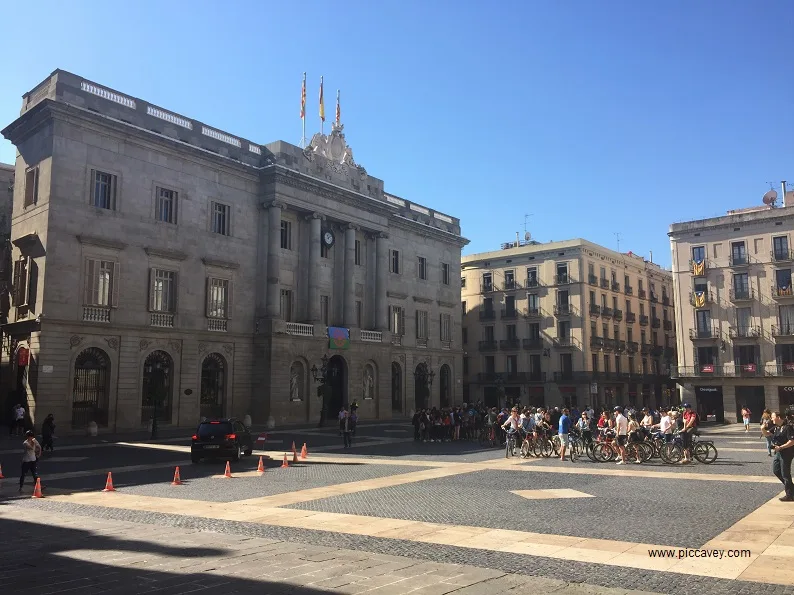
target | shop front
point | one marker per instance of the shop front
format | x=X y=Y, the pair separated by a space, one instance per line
x=710 y=404
x=785 y=396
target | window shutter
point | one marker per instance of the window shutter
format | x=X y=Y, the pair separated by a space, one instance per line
x=16 y=282
x=88 y=282
x=115 y=282
x=208 y=295
x=402 y=321
x=230 y=300
x=418 y=330
x=25 y=280
x=151 y=290
x=391 y=319
x=735 y=355
x=175 y=302
x=92 y=188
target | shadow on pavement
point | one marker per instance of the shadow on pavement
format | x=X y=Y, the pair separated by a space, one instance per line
x=35 y=559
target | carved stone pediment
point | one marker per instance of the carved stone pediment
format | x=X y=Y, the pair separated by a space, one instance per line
x=336 y=154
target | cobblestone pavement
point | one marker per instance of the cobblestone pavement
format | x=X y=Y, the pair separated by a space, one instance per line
x=469 y=499
x=52 y=546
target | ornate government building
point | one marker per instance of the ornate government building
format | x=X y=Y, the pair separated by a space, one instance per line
x=164 y=267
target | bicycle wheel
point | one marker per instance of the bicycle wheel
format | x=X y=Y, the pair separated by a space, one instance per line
x=588 y=449
x=603 y=452
x=671 y=453
x=705 y=452
x=646 y=451
x=556 y=444
x=526 y=449
x=575 y=448
x=546 y=448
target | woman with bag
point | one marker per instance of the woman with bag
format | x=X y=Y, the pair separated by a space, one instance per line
x=31 y=451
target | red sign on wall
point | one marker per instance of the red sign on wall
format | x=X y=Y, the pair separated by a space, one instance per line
x=23 y=356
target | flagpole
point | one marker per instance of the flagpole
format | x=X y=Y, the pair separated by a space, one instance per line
x=338 y=110
x=322 y=108
x=303 y=112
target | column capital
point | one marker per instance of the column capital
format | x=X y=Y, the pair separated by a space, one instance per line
x=273 y=203
x=381 y=235
x=352 y=227
x=315 y=215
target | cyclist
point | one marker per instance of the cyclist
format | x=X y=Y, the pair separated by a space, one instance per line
x=622 y=431
x=691 y=420
x=512 y=424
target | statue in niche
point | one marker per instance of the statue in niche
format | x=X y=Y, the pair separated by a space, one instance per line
x=368 y=383
x=295 y=382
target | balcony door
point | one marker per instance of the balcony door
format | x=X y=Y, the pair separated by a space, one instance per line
x=738 y=253
x=532 y=303
x=780 y=247
x=566 y=364
x=786 y=316
x=783 y=280
x=703 y=321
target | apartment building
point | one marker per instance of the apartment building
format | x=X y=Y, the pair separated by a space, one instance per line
x=566 y=322
x=163 y=267
x=732 y=287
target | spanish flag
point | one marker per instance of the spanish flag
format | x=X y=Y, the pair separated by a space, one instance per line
x=322 y=102
x=303 y=98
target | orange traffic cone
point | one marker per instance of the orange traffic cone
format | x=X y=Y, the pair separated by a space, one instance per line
x=177 y=480
x=294 y=450
x=294 y=456
x=304 y=452
x=37 y=489
x=228 y=472
x=1 y=472
x=261 y=468
x=285 y=464
x=109 y=483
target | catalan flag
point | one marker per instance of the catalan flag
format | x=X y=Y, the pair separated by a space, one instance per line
x=698 y=268
x=303 y=98
x=322 y=101
x=338 y=109
x=700 y=299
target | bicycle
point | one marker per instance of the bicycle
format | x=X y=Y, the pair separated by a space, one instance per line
x=510 y=444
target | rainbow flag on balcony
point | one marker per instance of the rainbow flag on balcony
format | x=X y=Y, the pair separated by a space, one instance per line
x=698 y=268
x=338 y=338
x=700 y=299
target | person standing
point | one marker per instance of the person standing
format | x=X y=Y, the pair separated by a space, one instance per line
x=691 y=421
x=48 y=432
x=31 y=451
x=767 y=430
x=746 y=413
x=784 y=451
x=346 y=426
x=564 y=429
x=622 y=432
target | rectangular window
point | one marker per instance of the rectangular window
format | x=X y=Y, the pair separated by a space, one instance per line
x=463 y=282
x=594 y=359
x=101 y=277
x=446 y=328
x=738 y=253
x=394 y=261
x=464 y=335
x=629 y=335
x=358 y=314
x=286 y=235
x=490 y=364
x=512 y=365
x=593 y=329
x=220 y=221
x=533 y=303
x=606 y=364
x=21 y=281
x=743 y=320
x=779 y=246
x=324 y=309
x=510 y=330
x=421 y=267
x=488 y=333
x=31 y=186
x=421 y=324
x=103 y=190
x=218 y=298
x=487 y=282
x=532 y=277
x=465 y=365
x=698 y=253
x=534 y=330
x=703 y=320
x=397 y=320
x=741 y=285
x=165 y=205
x=162 y=295
x=286 y=305
x=445 y=273
x=358 y=253
x=463 y=307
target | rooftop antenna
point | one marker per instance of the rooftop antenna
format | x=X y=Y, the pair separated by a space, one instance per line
x=527 y=235
x=617 y=236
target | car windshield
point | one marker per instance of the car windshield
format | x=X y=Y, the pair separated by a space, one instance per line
x=214 y=429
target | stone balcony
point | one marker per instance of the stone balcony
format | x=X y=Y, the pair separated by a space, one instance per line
x=96 y=314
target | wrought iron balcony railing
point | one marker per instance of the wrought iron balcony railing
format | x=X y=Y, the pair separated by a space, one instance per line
x=704 y=333
x=742 y=294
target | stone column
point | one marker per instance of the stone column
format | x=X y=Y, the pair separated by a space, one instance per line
x=274 y=259
x=381 y=304
x=350 y=286
x=316 y=224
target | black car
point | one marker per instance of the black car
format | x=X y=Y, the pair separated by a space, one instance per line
x=221 y=438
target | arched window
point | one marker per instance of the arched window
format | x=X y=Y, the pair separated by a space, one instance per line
x=90 y=388
x=158 y=371
x=213 y=386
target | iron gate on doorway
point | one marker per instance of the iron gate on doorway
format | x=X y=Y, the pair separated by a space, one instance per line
x=89 y=389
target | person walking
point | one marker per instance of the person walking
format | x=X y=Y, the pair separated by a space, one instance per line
x=767 y=430
x=564 y=429
x=31 y=451
x=346 y=426
x=48 y=432
x=784 y=451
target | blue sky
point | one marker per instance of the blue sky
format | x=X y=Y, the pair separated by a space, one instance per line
x=595 y=117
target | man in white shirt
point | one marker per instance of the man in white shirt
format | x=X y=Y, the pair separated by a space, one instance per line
x=666 y=427
x=622 y=431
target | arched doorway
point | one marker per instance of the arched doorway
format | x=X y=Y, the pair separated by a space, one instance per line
x=213 y=386
x=396 y=388
x=90 y=388
x=158 y=371
x=444 y=386
x=337 y=379
x=423 y=379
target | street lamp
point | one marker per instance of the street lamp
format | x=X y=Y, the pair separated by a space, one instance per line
x=321 y=376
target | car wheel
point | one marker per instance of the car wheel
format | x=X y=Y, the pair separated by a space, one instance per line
x=249 y=452
x=238 y=454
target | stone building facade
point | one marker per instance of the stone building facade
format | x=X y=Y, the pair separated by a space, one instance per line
x=164 y=267
x=732 y=278
x=566 y=322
